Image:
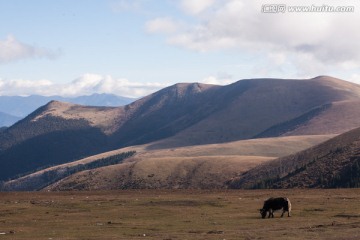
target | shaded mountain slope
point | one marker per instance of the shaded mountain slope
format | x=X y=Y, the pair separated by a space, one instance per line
x=186 y=114
x=328 y=118
x=48 y=137
x=57 y=116
x=334 y=163
x=167 y=112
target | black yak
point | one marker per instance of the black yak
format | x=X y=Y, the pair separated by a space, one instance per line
x=273 y=204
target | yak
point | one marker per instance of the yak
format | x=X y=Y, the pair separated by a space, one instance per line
x=273 y=204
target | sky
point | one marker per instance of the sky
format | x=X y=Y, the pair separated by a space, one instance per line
x=135 y=47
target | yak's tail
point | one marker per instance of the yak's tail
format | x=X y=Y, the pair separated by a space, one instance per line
x=288 y=205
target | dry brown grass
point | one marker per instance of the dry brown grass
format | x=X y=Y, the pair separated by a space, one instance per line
x=204 y=166
x=102 y=117
x=165 y=172
x=269 y=147
x=185 y=214
x=330 y=164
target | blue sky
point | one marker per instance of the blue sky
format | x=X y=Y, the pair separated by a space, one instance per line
x=135 y=47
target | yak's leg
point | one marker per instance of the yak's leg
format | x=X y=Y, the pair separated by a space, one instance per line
x=272 y=213
x=283 y=213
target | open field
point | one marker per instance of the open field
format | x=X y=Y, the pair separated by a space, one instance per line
x=184 y=214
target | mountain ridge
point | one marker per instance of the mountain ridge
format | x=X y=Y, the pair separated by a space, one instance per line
x=184 y=114
x=20 y=106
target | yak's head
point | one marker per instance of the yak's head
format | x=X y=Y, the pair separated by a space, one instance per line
x=263 y=213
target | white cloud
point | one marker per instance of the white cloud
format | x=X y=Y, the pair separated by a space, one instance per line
x=84 y=85
x=220 y=79
x=199 y=40
x=196 y=6
x=23 y=87
x=277 y=58
x=92 y=83
x=161 y=25
x=355 y=78
x=313 y=43
x=12 y=50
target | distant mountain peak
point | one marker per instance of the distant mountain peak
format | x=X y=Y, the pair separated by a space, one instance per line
x=59 y=104
x=186 y=89
x=323 y=77
x=100 y=117
x=339 y=84
x=22 y=106
x=53 y=108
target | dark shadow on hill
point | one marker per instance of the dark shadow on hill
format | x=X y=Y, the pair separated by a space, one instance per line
x=175 y=114
x=293 y=124
x=51 y=149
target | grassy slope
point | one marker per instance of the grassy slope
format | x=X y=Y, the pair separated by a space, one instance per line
x=332 y=120
x=207 y=166
x=178 y=215
x=318 y=166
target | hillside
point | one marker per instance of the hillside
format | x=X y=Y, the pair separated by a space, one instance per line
x=20 y=106
x=205 y=166
x=48 y=137
x=334 y=163
x=185 y=114
x=272 y=107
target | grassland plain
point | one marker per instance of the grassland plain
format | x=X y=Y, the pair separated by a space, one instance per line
x=180 y=214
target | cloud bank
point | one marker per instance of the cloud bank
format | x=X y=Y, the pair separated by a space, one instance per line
x=84 y=85
x=312 y=42
x=13 y=50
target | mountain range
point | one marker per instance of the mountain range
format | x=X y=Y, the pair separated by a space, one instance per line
x=18 y=107
x=7 y=119
x=183 y=116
